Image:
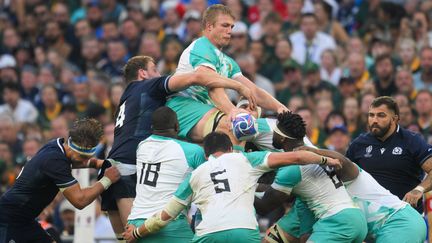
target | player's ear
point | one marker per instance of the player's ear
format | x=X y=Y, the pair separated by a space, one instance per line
x=177 y=127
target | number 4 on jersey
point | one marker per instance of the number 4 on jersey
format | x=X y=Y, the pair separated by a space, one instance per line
x=121 y=115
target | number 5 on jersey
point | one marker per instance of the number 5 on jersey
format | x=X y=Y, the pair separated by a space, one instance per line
x=220 y=182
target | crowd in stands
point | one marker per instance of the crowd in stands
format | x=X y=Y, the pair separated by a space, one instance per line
x=324 y=59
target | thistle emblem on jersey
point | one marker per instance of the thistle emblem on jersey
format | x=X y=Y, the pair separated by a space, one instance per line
x=368 y=151
x=397 y=151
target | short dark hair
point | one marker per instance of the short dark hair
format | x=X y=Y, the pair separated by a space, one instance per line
x=216 y=142
x=308 y=15
x=387 y=101
x=164 y=118
x=14 y=86
x=291 y=124
x=86 y=132
x=383 y=57
x=130 y=70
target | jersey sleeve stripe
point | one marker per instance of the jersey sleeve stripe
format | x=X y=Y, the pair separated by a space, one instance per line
x=166 y=84
x=284 y=189
x=206 y=64
x=235 y=75
x=67 y=184
x=183 y=202
x=425 y=158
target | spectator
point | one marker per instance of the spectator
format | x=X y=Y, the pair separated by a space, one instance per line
x=406 y=116
x=294 y=15
x=283 y=50
x=9 y=135
x=29 y=89
x=291 y=85
x=193 y=26
x=357 y=69
x=81 y=93
x=171 y=55
x=239 y=44
x=384 y=80
x=248 y=66
x=59 y=128
x=7 y=68
x=131 y=32
x=82 y=28
x=91 y=53
x=30 y=147
x=338 y=139
x=423 y=79
x=51 y=106
x=21 y=110
x=351 y=112
x=53 y=37
x=150 y=46
x=110 y=30
x=309 y=42
x=408 y=54
x=405 y=84
x=423 y=106
x=323 y=12
x=347 y=87
x=330 y=70
x=117 y=55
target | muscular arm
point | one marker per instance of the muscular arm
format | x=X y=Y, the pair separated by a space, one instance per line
x=80 y=198
x=271 y=200
x=276 y=160
x=264 y=99
x=204 y=76
x=412 y=197
x=349 y=170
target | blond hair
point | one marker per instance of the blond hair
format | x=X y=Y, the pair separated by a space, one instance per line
x=212 y=12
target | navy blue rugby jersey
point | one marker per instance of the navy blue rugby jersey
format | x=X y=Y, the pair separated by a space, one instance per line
x=37 y=184
x=133 y=116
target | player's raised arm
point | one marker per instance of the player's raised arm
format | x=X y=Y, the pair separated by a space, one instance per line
x=264 y=99
x=349 y=170
x=211 y=80
x=276 y=160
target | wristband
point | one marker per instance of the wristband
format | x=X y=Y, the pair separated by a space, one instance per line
x=106 y=182
x=323 y=160
x=136 y=234
x=419 y=188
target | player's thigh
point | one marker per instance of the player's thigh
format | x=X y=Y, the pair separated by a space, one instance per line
x=177 y=230
x=189 y=113
x=230 y=236
x=116 y=222
x=349 y=225
x=405 y=226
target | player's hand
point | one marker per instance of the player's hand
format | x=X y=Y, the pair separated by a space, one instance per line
x=95 y=163
x=335 y=163
x=282 y=109
x=412 y=197
x=247 y=93
x=234 y=111
x=127 y=235
x=112 y=173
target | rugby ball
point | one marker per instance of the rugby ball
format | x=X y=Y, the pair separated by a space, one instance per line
x=244 y=126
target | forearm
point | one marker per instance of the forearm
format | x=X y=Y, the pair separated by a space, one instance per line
x=266 y=101
x=427 y=183
x=349 y=170
x=213 y=80
x=221 y=100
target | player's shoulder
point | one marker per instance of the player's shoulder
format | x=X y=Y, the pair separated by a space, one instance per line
x=364 y=138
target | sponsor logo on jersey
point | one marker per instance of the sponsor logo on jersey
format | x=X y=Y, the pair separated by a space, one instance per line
x=382 y=150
